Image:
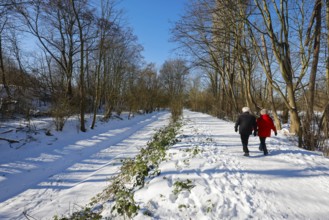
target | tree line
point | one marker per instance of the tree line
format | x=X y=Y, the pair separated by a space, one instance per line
x=261 y=54
x=86 y=60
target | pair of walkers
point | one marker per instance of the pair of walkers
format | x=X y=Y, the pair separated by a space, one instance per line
x=247 y=124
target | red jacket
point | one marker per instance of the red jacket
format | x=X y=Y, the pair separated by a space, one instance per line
x=265 y=125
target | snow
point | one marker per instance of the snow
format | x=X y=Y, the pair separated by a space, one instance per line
x=60 y=174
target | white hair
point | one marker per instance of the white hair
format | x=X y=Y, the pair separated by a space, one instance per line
x=263 y=111
x=245 y=109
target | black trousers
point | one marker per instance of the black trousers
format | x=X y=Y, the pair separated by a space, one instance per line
x=262 y=144
x=244 y=140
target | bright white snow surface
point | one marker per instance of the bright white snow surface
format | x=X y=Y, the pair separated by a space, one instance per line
x=59 y=174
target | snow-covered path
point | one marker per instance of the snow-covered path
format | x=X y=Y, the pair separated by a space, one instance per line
x=289 y=183
x=61 y=176
x=47 y=179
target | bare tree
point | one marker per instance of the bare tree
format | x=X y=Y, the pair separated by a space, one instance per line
x=63 y=29
x=172 y=78
x=106 y=29
x=280 y=43
x=308 y=126
x=3 y=25
x=121 y=51
x=327 y=61
x=212 y=32
x=143 y=91
x=199 y=35
x=324 y=121
x=53 y=24
x=264 y=58
x=84 y=19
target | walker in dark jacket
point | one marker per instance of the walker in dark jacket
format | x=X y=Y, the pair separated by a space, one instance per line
x=246 y=123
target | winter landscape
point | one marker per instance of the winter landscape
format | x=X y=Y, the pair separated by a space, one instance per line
x=57 y=175
x=126 y=109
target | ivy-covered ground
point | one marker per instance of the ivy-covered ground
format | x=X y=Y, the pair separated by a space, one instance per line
x=202 y=175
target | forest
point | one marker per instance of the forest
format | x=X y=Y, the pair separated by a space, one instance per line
x=259 y=53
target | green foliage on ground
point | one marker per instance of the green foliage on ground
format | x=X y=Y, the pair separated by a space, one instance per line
x=132 y=176
x=179 y=186
x=145 y=165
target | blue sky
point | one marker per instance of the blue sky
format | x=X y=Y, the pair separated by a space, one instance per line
x=151 y=21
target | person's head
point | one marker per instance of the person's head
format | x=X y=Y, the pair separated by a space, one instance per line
x=246 y=109
x=263 y=111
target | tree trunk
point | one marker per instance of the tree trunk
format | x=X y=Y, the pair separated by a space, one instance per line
x=82 y=81
x=97 y=95
x=309 y=133
x=294 y=117
x=2 y=68
x=273 y=108
x=327 y=61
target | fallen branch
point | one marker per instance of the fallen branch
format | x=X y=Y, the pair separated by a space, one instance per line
x=6 y=131
x=9 y=140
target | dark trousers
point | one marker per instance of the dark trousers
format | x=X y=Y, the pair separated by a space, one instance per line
x=244 y=140
x=262 y=144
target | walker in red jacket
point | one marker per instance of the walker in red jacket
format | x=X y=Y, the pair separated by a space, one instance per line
x=265 y=125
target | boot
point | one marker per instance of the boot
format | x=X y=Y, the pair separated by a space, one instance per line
x=265 y=151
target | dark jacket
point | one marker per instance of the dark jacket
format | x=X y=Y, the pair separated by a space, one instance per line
x=265 y=125
x=246 y=123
